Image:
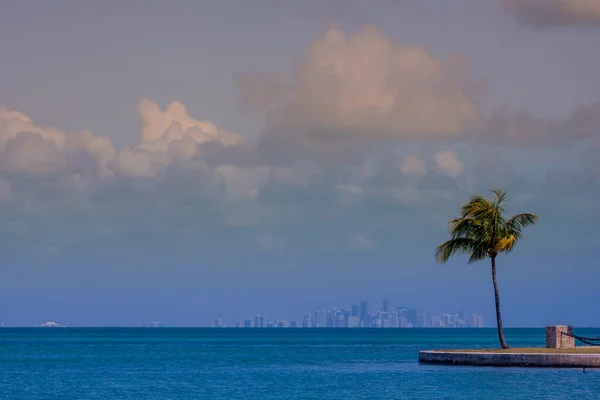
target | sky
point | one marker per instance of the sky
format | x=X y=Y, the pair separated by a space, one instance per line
x=181 y=162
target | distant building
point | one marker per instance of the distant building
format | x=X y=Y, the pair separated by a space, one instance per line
x=384 y=319
x=364 y=313
x=423 y=321
x=320 y=318
x=249 y=323
x=411 y=316
x=386 y=305
x=218 y=323
x=283 y=324
x=473 y=323
x=330 y=319
x=306 y=321
x=263 y=321
x=394 y=319
x=346 y=314
x=352 y=321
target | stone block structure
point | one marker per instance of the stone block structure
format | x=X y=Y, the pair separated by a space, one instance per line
x=555 y=338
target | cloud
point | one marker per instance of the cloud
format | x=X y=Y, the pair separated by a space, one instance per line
x=365 y=85
x=353 y=93
x=518 y=128
x=547 y=13
x=448 y=163
x=159 y=129
x=332 y=162
x=244 y=182
x=413 y=165
x=166 y=138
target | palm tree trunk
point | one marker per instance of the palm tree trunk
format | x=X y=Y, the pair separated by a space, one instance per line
x=497 y=298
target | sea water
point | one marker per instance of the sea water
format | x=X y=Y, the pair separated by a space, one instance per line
x=187 y=363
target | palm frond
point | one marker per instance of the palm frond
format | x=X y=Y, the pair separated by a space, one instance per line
x=454 y=246
x=463 y=227
x=506 y=244
x=517 y=223
x=500 y=197
x=480 y=252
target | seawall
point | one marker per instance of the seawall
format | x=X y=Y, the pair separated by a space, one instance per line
x=510 y=359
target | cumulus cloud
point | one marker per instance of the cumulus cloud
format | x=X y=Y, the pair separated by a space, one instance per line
x=167 y=137
x=448 y=163
x=546 y=13
x=368 y=86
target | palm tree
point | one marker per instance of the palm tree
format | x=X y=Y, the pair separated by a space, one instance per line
x=483 y=232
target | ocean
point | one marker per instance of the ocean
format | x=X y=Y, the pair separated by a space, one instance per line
x=205 y=363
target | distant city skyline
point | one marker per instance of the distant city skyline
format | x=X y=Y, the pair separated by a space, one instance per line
x=360 y=316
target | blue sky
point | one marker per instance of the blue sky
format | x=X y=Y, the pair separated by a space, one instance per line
x=186 y=161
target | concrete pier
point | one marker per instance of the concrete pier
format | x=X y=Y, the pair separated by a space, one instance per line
x=512 y=359
x=560 y=352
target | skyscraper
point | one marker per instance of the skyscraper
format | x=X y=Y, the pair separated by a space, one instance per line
x=386 y=305
x=352 y=322
x=307 y=321
x=320 y=318
x=355 y=311
x=330 y=319
x=474 y=321
x=411 y=316
x=364 y=313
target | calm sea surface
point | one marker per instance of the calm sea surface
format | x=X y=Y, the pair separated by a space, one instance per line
x=173 y=363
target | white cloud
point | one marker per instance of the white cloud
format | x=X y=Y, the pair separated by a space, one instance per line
x=166 y=138
x=368 y=85
x=447 y=163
